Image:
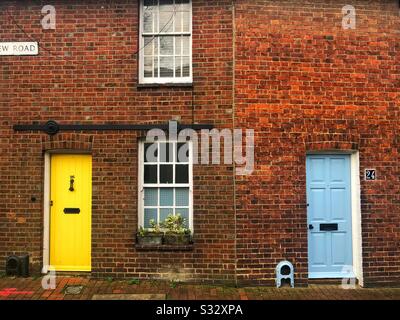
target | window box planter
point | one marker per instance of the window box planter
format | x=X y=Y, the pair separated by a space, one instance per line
x=152 y=239
x=165 y=248
x=170 y=233
x=177 y=239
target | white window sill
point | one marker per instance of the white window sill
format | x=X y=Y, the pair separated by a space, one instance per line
x=163 y=85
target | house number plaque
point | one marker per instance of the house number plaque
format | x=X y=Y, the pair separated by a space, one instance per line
x=370 y=174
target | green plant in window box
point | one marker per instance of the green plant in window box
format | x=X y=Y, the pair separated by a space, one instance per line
x=152 y=236
x=176 y=232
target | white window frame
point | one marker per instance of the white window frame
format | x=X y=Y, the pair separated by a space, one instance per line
x=142 y=185
x=167 y=80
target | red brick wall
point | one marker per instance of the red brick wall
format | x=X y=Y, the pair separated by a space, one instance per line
x=90 y=76
x=303 y=83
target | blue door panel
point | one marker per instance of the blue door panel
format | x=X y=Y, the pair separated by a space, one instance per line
x=338 y=206
x=337 y=170
x=339 y=241
x=317 y=200
x=329 y=202
x=318 y=244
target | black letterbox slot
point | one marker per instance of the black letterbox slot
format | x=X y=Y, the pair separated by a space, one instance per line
x=72 y=211
x=328 y=227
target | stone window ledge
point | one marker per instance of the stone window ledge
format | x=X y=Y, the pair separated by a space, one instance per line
x=162 y=248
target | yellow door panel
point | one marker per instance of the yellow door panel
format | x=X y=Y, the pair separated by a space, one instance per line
x=71 y=212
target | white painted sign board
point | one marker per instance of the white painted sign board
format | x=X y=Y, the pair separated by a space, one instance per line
x=19 y=48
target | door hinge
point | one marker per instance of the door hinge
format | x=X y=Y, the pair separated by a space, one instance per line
x=51 y=203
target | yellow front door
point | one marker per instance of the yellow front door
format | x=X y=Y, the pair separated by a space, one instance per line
x=71 y=212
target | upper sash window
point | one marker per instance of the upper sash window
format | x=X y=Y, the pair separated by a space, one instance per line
x=166 y=41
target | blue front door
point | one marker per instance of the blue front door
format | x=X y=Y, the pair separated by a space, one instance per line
x=329 y=216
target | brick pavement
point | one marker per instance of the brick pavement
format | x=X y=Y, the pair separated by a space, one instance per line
x=31 y=289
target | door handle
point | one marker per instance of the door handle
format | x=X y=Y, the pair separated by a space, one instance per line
x=72 y=211
x=311 y=227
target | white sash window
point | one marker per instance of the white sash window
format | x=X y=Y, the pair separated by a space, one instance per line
x=165 y=182
x=166 y=41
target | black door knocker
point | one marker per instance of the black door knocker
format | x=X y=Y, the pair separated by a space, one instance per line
x=71 y=184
